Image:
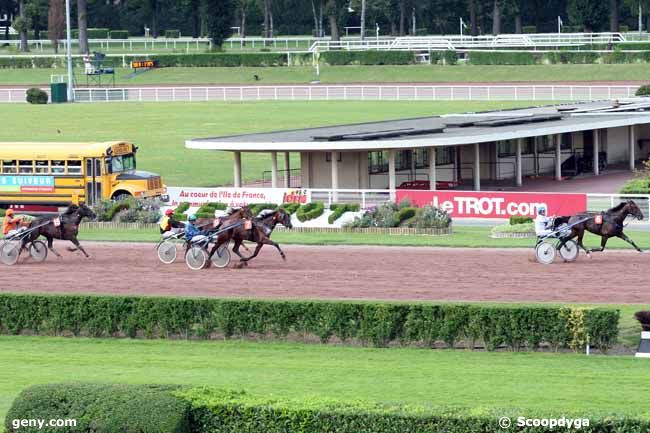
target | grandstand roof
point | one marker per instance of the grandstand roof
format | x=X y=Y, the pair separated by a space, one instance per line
x=447 y=130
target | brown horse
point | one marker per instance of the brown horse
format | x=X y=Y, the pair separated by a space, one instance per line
x=259 y=232
x=67 y=228
x=606 y=224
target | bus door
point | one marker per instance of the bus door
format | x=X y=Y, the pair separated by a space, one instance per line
x=93 y=180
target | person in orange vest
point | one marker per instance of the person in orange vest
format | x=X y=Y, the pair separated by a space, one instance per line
x=10 y=223
x=169 y=224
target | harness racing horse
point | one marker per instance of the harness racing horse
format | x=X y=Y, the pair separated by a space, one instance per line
x=259 y=232
x=67 y=230
x=607 y=225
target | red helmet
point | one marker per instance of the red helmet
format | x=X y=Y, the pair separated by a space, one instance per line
x=169 y=212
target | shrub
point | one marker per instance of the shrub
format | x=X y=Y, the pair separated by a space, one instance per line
x=172 y=34
x=129 y=210
x=570 y=57
x=370 y=57
x=291 y=208
x=259 y=207
x=431 y=217
x=221 y=59
x=636 y=186
x=520 y=219
x=643 y=90
x=310 y=211
x=528 y=227
x=102 y=408
x=118 y=34
x=35 y=95
x=2 y=213
x=501 y=58
x=94 y=33
x=372 y=323
x=340 y=209
x=208 y=209
x=16 y=63
x=406 y=213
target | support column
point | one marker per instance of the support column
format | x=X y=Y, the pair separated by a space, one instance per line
x=305 y=170
x=558 y=157
x=518 y=169
x=391 y=174
x=632 y=147
x=237 y=169
x=364 y=175
x=432 y=168
x=477 y=167
x=335 y=176
x=596 y=148
x=287 y=167
x=274 y=169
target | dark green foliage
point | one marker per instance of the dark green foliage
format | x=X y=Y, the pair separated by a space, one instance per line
x=102 y=408
x=2 y=213
x=259 y=207
x=310 y=211
x=636 y=186
x=500 y=58
x=98 y=33
x=571 y=57
x=448 y=57
x=119 y=34
x=221 y=59
x=220 y=18
x=16 y=63
x=291 y=208
x=371 y=57
x=529 y=29
x=35 y=95
x=207 y=210
x=520 y=219
x=379 y=324
x=340 y=209
x=172 y=34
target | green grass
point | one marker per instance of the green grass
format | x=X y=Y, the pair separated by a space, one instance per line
x=160 y=129
x=353 y=74
x=547 y=383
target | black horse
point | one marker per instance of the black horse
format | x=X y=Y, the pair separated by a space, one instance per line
x=65 y=227
x=607 y=225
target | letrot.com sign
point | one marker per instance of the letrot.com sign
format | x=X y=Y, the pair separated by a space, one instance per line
x=197 y=197
x=27 y=183
x=469 y=204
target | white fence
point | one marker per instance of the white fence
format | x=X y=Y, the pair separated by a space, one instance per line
x=343 y=92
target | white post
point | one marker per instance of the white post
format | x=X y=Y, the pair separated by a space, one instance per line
x=69 y=51
x=287 y=167
x=237 y=169
x=477 y=167
x=274 y=169
x=596 y=162
x=335 y=176
x=392 y=184
x=632 y=146
x=558 y=157
x=432 y=168
x=518 y=169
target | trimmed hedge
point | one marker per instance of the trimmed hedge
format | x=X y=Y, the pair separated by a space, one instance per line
x=207 y=210
x=340 y=209
x=370 y=57
x=378 y=324
x=118 y=34
x=500 y=58
x=256 y=208
x=172 y=34
x=571 y=57
x=102 y=408
x=643 y=90
x=94 y=33
x=447 y=57
x=291 y=208
x=179 y=212
x=34 y=95
x=310 y=211
x=520 y=219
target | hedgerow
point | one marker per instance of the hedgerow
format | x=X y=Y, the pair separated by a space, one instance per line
x=339 y=209
x=500 y=58
x=291 y=208
x=369 y=57
x=259 y=207
x=310 y=211
x=378 y=324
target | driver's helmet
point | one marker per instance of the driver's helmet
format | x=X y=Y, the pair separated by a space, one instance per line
x=541 y=210
x=169 y=212
x=192 y=218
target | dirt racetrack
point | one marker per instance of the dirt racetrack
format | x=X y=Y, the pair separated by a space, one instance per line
x=344 y=272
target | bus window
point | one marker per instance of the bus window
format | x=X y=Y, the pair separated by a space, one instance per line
x=74 y=167
x=9 y=167
x=26 y=167
x=122 y=163
x=58 y=167
x=42 y=167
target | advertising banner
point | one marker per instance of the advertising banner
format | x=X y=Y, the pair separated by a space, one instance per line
x=27 y=184
x=470 y=204
x=236 y=197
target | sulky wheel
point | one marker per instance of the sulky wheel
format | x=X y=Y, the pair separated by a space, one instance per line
x=167 y=252
x=196 y=258
x=545 y=253
x=9 y=252
x=38 y=251
x=569 y=251
x=221 y=257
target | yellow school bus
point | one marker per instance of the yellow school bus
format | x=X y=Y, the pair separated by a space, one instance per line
x=56 y=174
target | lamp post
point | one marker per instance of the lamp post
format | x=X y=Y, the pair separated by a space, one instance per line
x=69 y=51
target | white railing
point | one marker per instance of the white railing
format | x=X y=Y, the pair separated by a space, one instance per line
x=342 y=93
x=599 y=202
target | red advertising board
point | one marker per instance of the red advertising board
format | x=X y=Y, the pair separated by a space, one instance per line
x=470 y=204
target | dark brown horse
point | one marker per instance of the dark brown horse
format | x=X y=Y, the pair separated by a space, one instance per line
x=66 y=228
x=259 y=232
x=606 y=224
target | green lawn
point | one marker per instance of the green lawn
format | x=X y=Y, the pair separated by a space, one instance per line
x=554 y=384
x=160 y=129
x=354 y=74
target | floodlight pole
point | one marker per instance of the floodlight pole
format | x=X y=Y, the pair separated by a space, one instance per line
x=69 y=53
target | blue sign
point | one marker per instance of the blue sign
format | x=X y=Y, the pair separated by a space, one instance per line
x=27 y=181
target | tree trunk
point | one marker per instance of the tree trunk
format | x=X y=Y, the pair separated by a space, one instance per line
x=613 y=15
x=518 y=26
x=402 y=17
x=313 y=10
x=196 y=20
x=334 y=28
x=242 y=31
x=82 y=25
x=496 y=18
x=271 y=20
x=363 y=19
x=472 y=17
x=267 y=24
x=24 y=44
x=321 y=32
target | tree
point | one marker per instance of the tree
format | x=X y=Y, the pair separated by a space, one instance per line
x=22 y=25
x=333 y=8
x=363 y=19
x=268 y=18
x=472 y=18
x=496 y=17
x=591 y=14
x=56 y=22
x=220 y=16
x=82 y=25
x=318 y=17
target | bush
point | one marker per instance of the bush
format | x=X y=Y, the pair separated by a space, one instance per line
x=291 y=208
x=172 y=34
x=208 y=209
x=2 y=213
x=118 y=34
x=447 y=57
x=35 y=95
x=520 y=219
x=528 y=227
x=405 y=214
x=310 y=211
x=370 y=57
x=340 y=209
x=643 y=90
x=379 y=324
x=16 y=63
x=129 y=210
x=636 y=186
x=570 y=57
x=221 y=59
x=259 y=207
x=102 y=408
x=500 y=58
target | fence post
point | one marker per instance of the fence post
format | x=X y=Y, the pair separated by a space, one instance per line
x=207 y=94
x=452 y=93
x=241 y=93
x=124 y=95
x=174 y=94
x=140 y=94
x=534 y=93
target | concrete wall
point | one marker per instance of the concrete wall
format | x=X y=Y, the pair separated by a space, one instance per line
x=617 y=145
x=349 y=170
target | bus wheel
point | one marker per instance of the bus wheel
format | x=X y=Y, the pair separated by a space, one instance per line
x=121 y=195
